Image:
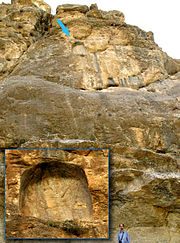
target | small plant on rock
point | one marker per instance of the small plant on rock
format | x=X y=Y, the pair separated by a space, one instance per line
x=52 y=224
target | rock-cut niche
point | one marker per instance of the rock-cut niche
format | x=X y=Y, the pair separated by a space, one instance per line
x=55 y=191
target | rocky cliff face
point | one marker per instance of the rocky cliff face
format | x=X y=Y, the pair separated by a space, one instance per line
x=62 y=186
x=107 y=86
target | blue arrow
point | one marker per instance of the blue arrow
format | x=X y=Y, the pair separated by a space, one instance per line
x=64 y=29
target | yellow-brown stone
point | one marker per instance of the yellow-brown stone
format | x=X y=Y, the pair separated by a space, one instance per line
x=107 y=86
x=58 y=186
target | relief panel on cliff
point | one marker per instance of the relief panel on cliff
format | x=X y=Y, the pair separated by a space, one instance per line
x=55 y=191
x=65 y=188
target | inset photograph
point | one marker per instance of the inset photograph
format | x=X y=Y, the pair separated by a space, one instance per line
x=56 y=194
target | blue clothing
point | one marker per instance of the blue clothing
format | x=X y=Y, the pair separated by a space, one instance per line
x=125 y=237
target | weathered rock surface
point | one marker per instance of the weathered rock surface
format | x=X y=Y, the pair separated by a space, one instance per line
x=144 y=144
x=58 y=186
x=68 y=93
x=103 y=51
x=20 y=26
x=38 y=3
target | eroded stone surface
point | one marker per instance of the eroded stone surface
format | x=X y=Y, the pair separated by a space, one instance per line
x=103 y=51
x=58 y=186
x=56 y=192
x=20 y=26
x=42 y=106
x=38 y=3
x=141 y=128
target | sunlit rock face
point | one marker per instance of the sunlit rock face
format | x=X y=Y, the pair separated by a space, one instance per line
x=109 y=85
x=38 y=3
x=20 y=26
x=58 y=186
x=103 y=51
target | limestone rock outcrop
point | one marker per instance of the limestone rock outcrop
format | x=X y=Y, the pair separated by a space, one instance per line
x=109 y=85
x=20 y=26
x=103 y=51
x=38 y=3
x=58 y=186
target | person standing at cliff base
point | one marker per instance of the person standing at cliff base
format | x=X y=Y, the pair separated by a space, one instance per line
x=123 y=236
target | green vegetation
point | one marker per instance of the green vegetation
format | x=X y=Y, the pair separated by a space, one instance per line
x=52 y=224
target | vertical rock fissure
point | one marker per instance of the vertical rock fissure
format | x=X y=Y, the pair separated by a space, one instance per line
x=98 y=71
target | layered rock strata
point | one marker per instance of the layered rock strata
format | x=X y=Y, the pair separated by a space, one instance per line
x=107 y=86
x=103 y=51
x=58 y=186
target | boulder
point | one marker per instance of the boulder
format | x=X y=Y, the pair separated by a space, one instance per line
x=38 y=3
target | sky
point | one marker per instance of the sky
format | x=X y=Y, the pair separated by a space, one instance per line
x=162 y=17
